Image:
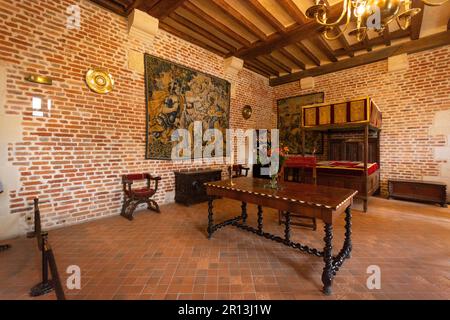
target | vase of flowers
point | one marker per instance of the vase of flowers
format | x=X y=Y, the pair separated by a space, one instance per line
x=282 y=154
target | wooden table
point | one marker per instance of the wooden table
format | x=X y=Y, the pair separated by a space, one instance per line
x=321 y=202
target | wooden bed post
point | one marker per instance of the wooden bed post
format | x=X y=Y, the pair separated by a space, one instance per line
x=366 y=173
x=303 y=141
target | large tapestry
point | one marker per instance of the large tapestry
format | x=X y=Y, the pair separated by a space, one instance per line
x=289 y=124
x=176 y=98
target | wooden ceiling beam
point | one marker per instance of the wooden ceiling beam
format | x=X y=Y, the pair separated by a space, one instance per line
x=416 y=23
x=387 y=36
x=308 y=53
x=239 y=18
x=262 y=68
x=323 y=47
x=263 y=12
x=265 y=66
x=256 y=69
x=164 y=8
x=112 y=6
x=202 y=15
x=297 y=34
x=422 y=44
x=201 y=31
x=291 y=8
x=292 y=58
x=189 y=38
x=136 y=4
x=397 y=34
x=280 y=65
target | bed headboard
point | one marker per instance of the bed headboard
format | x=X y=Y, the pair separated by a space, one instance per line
x=352 y=150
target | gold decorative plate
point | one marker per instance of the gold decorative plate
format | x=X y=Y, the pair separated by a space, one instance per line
x=99 y=80
x=247 y=112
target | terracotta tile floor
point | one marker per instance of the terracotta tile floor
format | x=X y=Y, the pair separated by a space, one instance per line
x=167 y=256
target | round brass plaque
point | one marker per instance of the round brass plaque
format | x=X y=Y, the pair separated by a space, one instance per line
x=247 y=112
x=99 y=80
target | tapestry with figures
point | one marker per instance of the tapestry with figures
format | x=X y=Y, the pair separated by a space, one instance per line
x=177 y=97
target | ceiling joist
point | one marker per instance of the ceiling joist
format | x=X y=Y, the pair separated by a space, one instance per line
x=427 y=43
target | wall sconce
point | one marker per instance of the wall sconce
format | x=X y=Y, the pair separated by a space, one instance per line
x=35 y=78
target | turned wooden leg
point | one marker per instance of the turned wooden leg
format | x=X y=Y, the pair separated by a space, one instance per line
x=365 y=205
x=4 y=247
x=348 y=232
x=210 y=218
x=244 y=212
x=260 y=220
x=327 y=275
x=287 y=230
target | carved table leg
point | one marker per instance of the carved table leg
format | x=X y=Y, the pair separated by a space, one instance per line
x=4 y=247
x=244 y=212
x=348 y=232
x=260 y=220
x=327 y=275
x=210 y=217
x=287 y=230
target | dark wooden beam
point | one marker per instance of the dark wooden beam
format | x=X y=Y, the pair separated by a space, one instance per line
x=136 y=4
x=323 y=47
x=397 y=34
x=255 y=68
x=264 y=13
x=112 y=6
x=265 y=67
x=366 y=44
x=308 y=53
x=164 y=8
x=189 y=38
x=202 y=15
x=427 y=43
x=387 y=36
x=416 y=21
x=292 y=58
x=280 y=65
x=297 y=34
x=239 y=18
x=199 y=30
x=291 y=8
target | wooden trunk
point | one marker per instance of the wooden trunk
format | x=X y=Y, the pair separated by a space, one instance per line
x=427 y=191
x=189 y=185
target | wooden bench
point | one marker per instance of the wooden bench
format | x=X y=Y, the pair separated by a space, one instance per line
x=426 y=191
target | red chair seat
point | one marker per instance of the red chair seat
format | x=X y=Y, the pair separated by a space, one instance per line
x=143 y=192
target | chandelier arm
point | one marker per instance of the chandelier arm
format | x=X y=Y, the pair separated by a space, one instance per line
x=401 y=26
x=341 y=31
x=434 y=4
x=338 y=21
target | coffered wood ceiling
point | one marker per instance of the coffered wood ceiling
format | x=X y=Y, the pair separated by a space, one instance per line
x=277 y=40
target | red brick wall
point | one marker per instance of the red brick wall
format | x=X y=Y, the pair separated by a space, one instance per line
x=73 y=158
x=408 y=99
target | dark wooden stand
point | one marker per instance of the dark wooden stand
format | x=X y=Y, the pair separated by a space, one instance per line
x=4 y=247
x=189 y=185
x=425 y=191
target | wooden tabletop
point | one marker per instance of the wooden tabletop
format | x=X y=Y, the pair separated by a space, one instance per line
x=318 y=196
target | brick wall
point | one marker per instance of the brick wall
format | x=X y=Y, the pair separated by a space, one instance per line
x=73 y=157
x=409 y=101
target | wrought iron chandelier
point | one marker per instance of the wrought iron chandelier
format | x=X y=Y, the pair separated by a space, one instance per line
x=375 y=14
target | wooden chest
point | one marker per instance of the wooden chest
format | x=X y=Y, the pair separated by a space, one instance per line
x=427 y=191
x=189 y=185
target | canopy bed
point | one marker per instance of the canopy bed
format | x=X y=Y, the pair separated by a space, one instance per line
x=353 y=159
